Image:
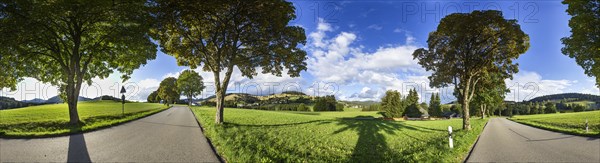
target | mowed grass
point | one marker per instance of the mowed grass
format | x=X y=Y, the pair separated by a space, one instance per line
x=573 y=123
x=272 y=136
x=53 y=119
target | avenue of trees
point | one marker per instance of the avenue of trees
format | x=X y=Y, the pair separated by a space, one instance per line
x=469 y=48
x=222 y=35
x=189 y=84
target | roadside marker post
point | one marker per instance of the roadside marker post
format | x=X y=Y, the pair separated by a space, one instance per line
x=586 y=125
x=123 y=100
x=450 y=137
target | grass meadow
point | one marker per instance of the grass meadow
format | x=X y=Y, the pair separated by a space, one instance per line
x=572 y=123
x=276 y=136
x=53 y=119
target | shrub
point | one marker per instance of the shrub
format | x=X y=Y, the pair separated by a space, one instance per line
x=302 y=107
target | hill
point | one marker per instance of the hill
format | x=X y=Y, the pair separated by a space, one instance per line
x=9 y=103
x=567 y=97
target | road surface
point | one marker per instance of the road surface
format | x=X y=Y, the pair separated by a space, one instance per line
x=503 y=140
x=169 y=136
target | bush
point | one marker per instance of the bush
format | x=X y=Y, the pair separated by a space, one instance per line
x=339 y=107
x=550 y=108
x=413 y=111
x=578 y=108
x=302 y=107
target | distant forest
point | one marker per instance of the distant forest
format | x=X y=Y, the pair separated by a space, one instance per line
x=567 y=97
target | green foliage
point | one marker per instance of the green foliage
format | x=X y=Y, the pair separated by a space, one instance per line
x=373 y=107
x=583 y=42
x=190 y=84
x=223 y=35
x=573 y=123
x=53 y=119
x=167 y=90
x=303 y=107
x=326 y=103
x=66 y=43
x=153 y=97
x=578 y=108
x=550 y=108
x=413 y=111
x=266 y=136
x=339 y=107
x=435 y=105
x=392 y=104
x=466 y=47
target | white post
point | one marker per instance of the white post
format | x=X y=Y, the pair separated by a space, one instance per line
x=450 y=136
x=586 y=125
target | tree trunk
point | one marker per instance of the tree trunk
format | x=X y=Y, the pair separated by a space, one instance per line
x=72 y=98
x=483 y=107
x=466 y=116
x=190 y=100
x=220 y=99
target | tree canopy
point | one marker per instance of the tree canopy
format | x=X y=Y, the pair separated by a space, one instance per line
x=222 y=35
x=466 y=46
x=66 y=43
x=584 y=42
x=167 y=90
x=190 y=84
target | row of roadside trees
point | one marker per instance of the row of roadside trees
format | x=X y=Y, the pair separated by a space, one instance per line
x=189 y=84
x=68 y=43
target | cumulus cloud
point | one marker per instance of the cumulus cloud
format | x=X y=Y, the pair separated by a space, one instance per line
x=527 y=85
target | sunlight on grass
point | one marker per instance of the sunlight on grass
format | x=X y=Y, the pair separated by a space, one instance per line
x=573 y=123
x=53 y=119
x=271 y=136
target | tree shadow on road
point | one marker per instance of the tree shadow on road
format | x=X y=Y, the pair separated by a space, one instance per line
x=78 y=149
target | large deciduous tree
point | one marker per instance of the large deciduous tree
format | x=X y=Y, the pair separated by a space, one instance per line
x=584 y=42
x=220 y=35
x=67 y=43
x=167 y=90
x=466 y=46
x=190 y=84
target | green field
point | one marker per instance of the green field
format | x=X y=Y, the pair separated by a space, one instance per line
x=275 y=136
x=573 y=123
x=53 y=119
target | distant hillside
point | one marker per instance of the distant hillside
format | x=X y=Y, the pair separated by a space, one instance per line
x=358 y=104
x=568 y=97
x=9 y=103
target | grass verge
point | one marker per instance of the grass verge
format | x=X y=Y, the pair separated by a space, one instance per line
x=570 y=123
x=271 y=136
x=53 y=120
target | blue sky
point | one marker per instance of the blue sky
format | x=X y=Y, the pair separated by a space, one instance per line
x=359 y=49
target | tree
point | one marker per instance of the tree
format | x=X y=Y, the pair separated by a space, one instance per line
x=490 y=92
x=152 y=98
x=466 y=46
x=550 y=108
x=413 y=111
x=435 y=107
x=578 y=108
x=167 y=90
x=392 y=104
x=302 y=107
x=326 y=103
x=222 y=35
x=190 y=84
x=66 y=43
x=584 y=42
x=339 y=107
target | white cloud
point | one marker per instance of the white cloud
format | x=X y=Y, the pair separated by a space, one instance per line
x=375 y=27
x=527 y=85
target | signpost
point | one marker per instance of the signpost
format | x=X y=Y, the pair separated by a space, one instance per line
x=450 y=136
x=123 y=100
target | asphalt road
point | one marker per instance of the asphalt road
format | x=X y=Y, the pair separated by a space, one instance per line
x=169 y=136
x=503 y=140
